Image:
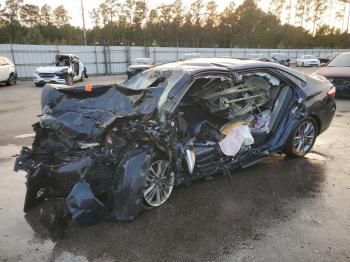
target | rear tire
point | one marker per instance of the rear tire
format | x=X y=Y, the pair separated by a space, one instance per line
x=11 y=81
x=302 y=139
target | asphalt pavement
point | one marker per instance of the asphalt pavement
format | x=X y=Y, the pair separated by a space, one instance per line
x=278 y=210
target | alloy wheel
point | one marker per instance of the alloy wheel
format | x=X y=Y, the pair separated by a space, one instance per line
x=304 y=137
x=159 y=183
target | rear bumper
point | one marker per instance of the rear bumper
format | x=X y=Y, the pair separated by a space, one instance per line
x=326 y=113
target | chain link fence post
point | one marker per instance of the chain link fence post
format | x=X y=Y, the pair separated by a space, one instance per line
x=13 y=55
x=105 y=58
x=96 y=62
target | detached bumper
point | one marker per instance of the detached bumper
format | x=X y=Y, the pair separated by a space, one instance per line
x=73 y=190
x=45 y=181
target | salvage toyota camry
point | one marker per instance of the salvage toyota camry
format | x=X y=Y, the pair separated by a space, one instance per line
x=112 y=151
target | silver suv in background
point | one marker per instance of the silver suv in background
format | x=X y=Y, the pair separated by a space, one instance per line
x=67 y=69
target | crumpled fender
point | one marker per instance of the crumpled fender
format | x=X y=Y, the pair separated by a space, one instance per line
x=83 y=205
x=127 y=195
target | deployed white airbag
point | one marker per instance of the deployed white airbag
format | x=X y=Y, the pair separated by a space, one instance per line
x=236 y=137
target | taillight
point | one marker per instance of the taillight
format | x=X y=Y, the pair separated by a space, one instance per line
x=331 y=92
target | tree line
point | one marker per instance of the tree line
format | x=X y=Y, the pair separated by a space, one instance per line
x=306 y=24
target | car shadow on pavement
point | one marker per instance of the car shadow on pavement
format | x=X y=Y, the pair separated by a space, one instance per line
x=202 y=221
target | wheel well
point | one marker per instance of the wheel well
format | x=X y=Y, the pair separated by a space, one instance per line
x=318 y=122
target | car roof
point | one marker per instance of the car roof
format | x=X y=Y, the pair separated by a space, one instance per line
x=197 y=65
x=67 y=55
x=342 y=53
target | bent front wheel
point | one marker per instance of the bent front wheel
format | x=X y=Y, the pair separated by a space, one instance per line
x=159 y=183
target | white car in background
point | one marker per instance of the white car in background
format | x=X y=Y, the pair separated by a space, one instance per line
x=190 y=56
x=307 y=60
x=258 y=57
x=67 y=69
x=8 y=74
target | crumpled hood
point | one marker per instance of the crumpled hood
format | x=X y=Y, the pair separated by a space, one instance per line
x=51 y=69
x=84 y=116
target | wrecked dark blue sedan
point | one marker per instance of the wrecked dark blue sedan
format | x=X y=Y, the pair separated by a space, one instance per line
x=113 y=151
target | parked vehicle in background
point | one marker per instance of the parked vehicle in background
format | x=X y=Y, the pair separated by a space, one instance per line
x=8 y=73
x=117 y=150
x=258 y=57
x=140 y=65
x=338 y=72
x=190 y=56
x=326 y=58
x=280 y=58
x=67 y=69
x=307 y=60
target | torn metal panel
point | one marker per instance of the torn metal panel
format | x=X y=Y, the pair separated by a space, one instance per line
x=84 y=116
x=83 y=206
x=127 y=192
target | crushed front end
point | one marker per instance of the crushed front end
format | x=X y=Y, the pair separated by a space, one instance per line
x=90 y=163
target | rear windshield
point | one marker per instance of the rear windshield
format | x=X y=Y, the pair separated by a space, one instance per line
x=342 y=60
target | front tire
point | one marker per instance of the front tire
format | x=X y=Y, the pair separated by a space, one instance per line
x=82 y=77
x=69 y=80
x=160 y=182
x=39 y=84
x=302 y=138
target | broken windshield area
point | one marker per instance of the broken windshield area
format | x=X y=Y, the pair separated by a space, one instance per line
x=156 y=77
x=62 y=60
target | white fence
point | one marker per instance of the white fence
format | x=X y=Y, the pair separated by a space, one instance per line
x=116 y=59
